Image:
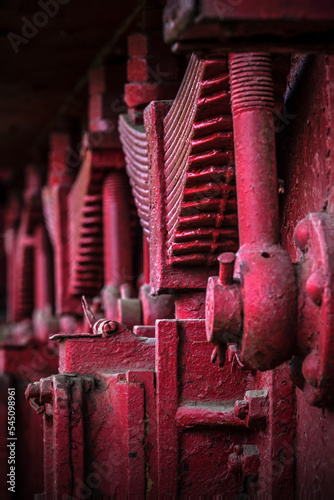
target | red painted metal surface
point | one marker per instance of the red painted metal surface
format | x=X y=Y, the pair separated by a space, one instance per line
x=305 y=161
x=263 y=305
x=139 y=408
x=314 y=236
x=198 y=167
x=145 y=50
x=116 y=453
x=152 y=441
x=117 y=251
x=20 y=365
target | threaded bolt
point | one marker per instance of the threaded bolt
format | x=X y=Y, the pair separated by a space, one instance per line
x=251 y=81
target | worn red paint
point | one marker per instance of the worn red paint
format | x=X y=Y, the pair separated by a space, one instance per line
x=305 y=161
x=265 y=299
x=138 y=409
x=268 y=291
x=235 y=422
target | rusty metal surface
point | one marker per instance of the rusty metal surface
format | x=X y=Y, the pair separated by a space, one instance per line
x=157 y=442
x=100 y=155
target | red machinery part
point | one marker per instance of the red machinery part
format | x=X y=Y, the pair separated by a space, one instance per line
x=117 y=251
x=266 y=293
x=259 y=310
x=55 y=207
x=315 y=277
x=133 y=416
x=191 y=176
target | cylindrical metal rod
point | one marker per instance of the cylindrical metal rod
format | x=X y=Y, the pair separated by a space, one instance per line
x=42 y=270
x=254 y=145
x=116 y=226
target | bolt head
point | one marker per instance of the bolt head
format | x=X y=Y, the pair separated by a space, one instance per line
x=46 y=390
